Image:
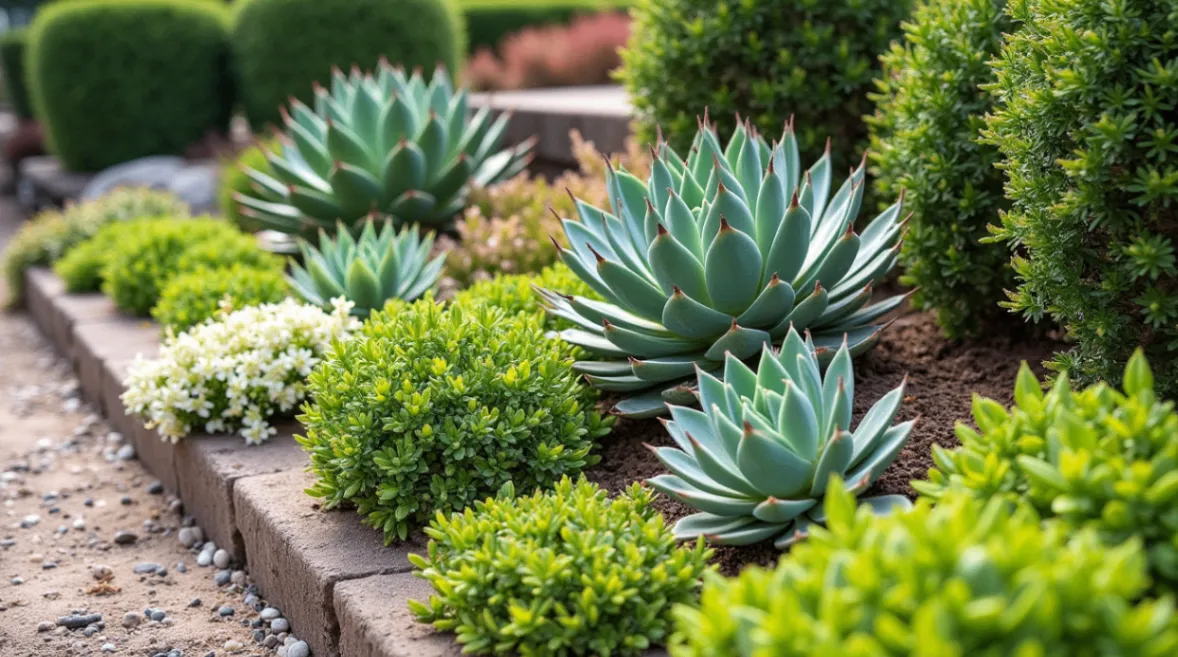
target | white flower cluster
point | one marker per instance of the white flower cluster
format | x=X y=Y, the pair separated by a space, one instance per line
x=237 y=371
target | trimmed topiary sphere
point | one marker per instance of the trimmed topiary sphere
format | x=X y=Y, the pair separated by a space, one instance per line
x=924 y=141
x=283 y=47
x=191 y=298
x=958 y=579
x=13 y=45
x=429 y=410
x=1098 y=459
x=565 y=572
x=765 y=60
x=1086 y=121
x=115 y=80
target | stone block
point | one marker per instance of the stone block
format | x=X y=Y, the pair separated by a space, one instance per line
x=207 y=467
x=118 y=338
x=76 y=309
x=41 y=288
x=298 y=553
x=375 y=620
x=158 y=456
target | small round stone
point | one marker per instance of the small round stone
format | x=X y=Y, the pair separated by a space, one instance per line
x=280 y=625
x=222 y=577
x=17 y=581
x=181 y=568
x=147 y=567
x=233 y=645
x=270 y=641
x=225 y=611
x=270 y=613
x=125 y=453
x=204 y=559
x=298 y=649
x=45 y=626
x=131 y=619
x=155 y=488
x=125 y=537
x=221 y=559
x=175 y=653
x=195 y=602
x=158 y=615
x=108 y=647
x=238 y=577
x=101 y=572
x=259 y=636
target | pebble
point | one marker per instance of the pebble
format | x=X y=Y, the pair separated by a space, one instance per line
x=30 y=520
x=250 y=600
x=190 y=536
x=125 y=453
x=89 y=502
x=108 y=647
x=238 y=578
x=259 y=636
x=280 y=625
x=90 y=631
x=270 y=641
x=222 y=577
x=270 y=613
x=158 y=615
x=131 y=619
x=298 y=649
x=147 y=567
x=180 y=567
x=175 y=653
x=79 y=524
x=125 y=537
x=126 y=500
x=100 y=572
x=195 y=602
x=204 y=559
x=221 y=559
x=155 y=488
x=49 y=565
x=233 y=645
x=78 y=621
x=17 y=581
x=225 y=611
x=45 y=626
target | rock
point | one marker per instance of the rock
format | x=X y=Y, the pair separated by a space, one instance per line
x=89 y=502
x=155 y=488
x=181 y=568
x=281 y=651
x=270 y=613
x=196 y=185
x=147 y=567
x=100 y=572
x=175 y=653
x=190 y=536
x=30 y=521
x=158 y=615
x=125 y=537
x=195 y=602
x=126 y=500
x=280 y=625
x=270 y=641
x=225 y=611
x=125 y=453
x=79 y=524
x=204 y=559
x=238 y=578
x=155 y=171
x=110 y=647
x=233 y=645
x=78 y=621
x=17 y=581
x=221 y=559
x=298 y=649
x=45 y=626
x=250 y=600
x=131 y=619
x=49 y=565
x=222 y=577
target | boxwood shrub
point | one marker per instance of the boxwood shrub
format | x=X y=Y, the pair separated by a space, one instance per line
x=925 y=141
x=429 y=410
x=190 y=298
x=114 y=80
x=516 y=294
x=563 y=572
x=283 y=47
x=81 y=268
x=13 y=45
x=1085 y=121
x=766 y=60
x=1096 y=459
x=961 y=578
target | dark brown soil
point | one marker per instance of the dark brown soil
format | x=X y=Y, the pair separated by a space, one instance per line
x=942 y=377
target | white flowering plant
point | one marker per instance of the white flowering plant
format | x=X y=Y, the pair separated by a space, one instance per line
x=235 y=371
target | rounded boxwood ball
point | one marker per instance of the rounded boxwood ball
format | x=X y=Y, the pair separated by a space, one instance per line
x=282 y=47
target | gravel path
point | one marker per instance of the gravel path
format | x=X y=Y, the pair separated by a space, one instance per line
x=91 y=554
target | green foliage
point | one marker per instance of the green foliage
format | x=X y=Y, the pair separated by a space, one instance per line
x=114 y=80
x=283 y=47
x=565 y=572
x=368 y=270
x=429 y=410
x=81 y=268
x=381 y=144
x=1086 y=123
x=924 y=141
x=1095 y=459
x=757 y=460
x=717 y=255
x=489 y=21
x=191 y=298
x=235 y=181
x=961 y=578
x=141 y=264
x=43 y=239
x=764 y=60
x=516 y=294
x=12 y=57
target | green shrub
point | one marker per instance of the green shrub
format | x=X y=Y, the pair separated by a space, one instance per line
x=1087 y=126
x=960 y=578
x=765 y=60
x=45 y=238
x=234 y=181
x=81 y=268
x=924 y=141
x=428 y=410
x=12 y=56
x=114 y=80
x=283 y=47
x=565 y=572
x=1096 y=459
x=516 y=294
x=489 y=21
x=139 y=267
x=189 y=299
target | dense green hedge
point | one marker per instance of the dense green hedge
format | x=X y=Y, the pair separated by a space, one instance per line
x=114 y=80
x=12 y=56
x=282 y=47
x=488 y=21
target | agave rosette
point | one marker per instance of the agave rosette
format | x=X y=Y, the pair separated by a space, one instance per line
x=384 y=142
x=720 y=254
x=756 y=461
x=368 y=270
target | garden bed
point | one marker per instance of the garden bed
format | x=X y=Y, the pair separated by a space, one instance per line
x=332 y=575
